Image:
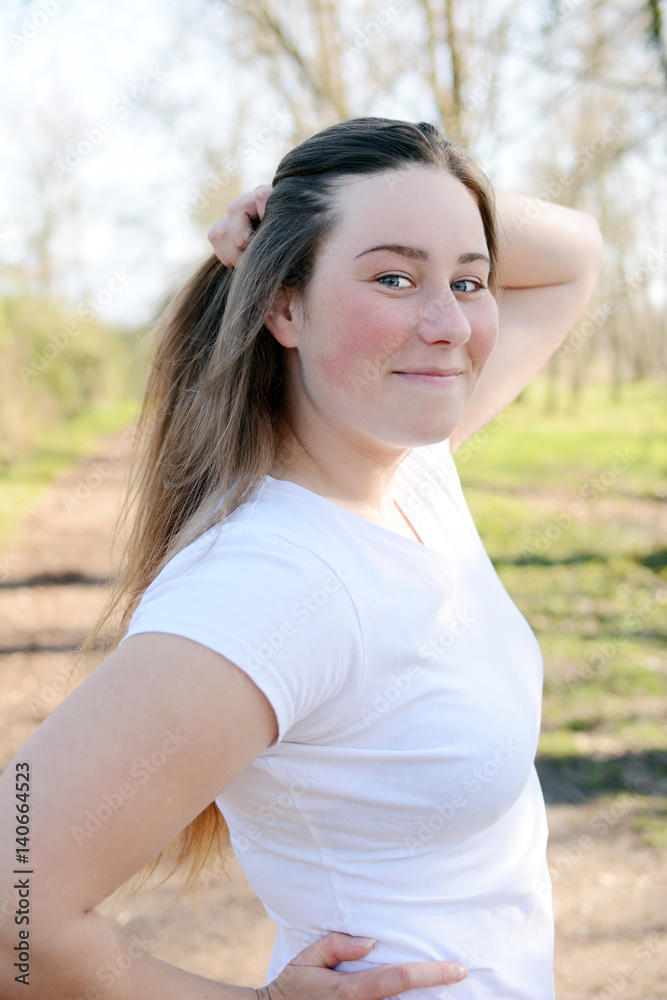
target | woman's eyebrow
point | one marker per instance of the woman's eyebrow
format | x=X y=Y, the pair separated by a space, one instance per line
x=415 y=253
x=472 y=256
x=418 y=253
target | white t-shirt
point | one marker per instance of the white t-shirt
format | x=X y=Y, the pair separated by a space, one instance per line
x=400 y=800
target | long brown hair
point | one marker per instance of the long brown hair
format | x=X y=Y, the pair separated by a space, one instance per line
x=213 y=410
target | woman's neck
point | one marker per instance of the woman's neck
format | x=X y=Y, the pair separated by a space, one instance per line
x=361 y=483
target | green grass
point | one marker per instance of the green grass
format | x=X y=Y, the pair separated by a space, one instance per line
x=67 y=378
x=52 y=453
x=571 y=508
x=651 y=822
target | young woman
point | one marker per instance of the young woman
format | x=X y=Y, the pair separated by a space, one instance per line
x=314 y=642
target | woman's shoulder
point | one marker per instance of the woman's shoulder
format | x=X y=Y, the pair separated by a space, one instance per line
x=278 y=535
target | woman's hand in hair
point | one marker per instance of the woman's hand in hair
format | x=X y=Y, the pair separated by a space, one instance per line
x=310 y=974
x=231 y=234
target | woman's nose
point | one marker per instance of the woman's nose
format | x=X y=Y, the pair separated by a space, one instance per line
x=443 y=319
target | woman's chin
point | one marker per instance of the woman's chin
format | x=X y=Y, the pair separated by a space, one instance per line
x=422 y=436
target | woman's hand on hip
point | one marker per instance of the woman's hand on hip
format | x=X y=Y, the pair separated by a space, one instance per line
x=310 y=976
x=231 y=234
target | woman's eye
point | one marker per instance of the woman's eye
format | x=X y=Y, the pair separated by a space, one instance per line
x=473 y=285
x=396 y=278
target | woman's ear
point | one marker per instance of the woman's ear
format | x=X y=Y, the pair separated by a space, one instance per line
x=280 y=320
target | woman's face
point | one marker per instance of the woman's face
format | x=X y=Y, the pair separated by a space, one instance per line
x=397 y=322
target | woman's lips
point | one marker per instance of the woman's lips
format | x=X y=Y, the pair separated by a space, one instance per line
x=431 y=377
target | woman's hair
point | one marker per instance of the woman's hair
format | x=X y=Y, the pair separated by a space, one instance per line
x=213 y=412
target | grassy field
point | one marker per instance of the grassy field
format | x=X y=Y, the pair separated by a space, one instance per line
x=571 y=508
x=52 y=452
x=67 y=377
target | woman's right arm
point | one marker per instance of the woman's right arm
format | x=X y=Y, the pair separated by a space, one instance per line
x=134 y=754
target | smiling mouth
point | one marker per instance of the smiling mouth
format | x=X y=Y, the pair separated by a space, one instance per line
x=431 y=376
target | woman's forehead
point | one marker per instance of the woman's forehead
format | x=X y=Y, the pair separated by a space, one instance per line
x=416 y=205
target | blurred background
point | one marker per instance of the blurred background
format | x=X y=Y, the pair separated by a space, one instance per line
x=127 y=128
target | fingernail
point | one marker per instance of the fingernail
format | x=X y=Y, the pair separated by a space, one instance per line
x=459 y=972
x=362 y=942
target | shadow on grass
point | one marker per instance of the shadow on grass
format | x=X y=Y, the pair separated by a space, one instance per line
x=656 y=560
x=33 y=647
x=574 y=779
x=538 y=560
x=68 y=578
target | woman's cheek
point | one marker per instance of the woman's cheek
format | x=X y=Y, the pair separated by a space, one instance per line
x=357 y=354
x=485 y=334
x=487 y=344
x=338 y=365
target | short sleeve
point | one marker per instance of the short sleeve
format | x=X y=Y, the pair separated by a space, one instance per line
x=274 y=609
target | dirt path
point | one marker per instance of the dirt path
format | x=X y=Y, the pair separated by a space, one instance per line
x=610 y=891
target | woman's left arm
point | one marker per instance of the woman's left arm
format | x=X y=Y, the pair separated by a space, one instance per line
x=550 y=264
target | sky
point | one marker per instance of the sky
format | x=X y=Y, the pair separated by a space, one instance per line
x=90 y=73
x=81 y=82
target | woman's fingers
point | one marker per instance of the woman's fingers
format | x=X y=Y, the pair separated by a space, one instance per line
x=309 y=975
x=231 y=234
x=333 y=948
x=262 y=196
x=388 y=980
x=242 y=210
